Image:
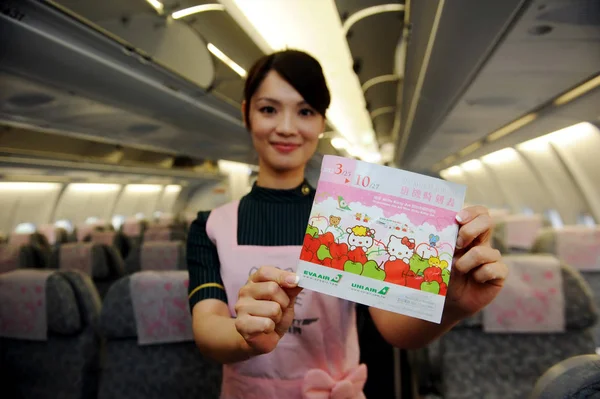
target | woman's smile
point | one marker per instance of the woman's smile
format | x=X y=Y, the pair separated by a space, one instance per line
x=284 y=147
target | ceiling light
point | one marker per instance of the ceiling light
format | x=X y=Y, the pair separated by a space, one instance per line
x=472 y=165
x=372 y=157
x=511 y=127
x=285 y=27
x=353 y=151
x=571 y=134
x=197 y=9
x=143 y=188
x=173 y=188
x=502 y=156
x=578 y=91
x=93 y=187
x=157 y=5
x=339 y=143
x=453 y=171
x=27 y=186
x=226 y=60
x=234 y=167
x=369 y=11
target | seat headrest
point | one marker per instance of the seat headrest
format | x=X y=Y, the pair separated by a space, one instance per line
x=162 y=255
x=132 y=227
x=103 y=237
x=149 y=305
x=578 y=304
x=88 y=258
x=35 y=302
x=578 y=246
x=19 y=239
x=519 y=231
x=9 y=257
x=158 y=233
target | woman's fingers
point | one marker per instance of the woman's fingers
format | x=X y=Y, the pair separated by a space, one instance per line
x=267 y=291
x=269 y=309
x=490 y=272
x=249 y=326
x=281 y=277
x=477 y=226
x=477 y=256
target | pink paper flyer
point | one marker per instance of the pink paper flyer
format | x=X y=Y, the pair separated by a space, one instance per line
x=382 y=237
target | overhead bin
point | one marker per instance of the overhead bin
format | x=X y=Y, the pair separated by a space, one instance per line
x=56 y=58
x=473 y=68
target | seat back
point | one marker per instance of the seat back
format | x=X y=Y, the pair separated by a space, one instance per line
x=576 y=377
x=148 y=355
x=164 y=233
x=101 y=262
x=162 y=255
x=542 y=316
x=114 y=239
x=19 y=239
x=518 y=232
x=49 y=342
x=22 y=256
x=579 y=247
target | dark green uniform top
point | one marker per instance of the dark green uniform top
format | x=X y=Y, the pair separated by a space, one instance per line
x=266 y=217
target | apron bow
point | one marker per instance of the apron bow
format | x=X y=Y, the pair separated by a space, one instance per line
x=320 y=385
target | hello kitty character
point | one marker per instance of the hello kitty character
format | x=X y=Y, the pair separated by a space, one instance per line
x=360 y=237
x=401 y=248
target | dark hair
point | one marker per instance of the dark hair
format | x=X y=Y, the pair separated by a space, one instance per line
x=299 y=69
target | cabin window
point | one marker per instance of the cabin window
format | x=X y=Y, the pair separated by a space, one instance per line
x=140 y=216
x=586 y=219
x=91 y=220
x=64 y=224
x=117 y=221
x=527 y=211
x=25 y=228
x=554 y=217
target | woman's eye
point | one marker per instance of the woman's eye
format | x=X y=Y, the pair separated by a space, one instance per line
x=267 y=110
x=307 y=112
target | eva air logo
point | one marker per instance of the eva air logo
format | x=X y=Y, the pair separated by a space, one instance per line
x=323 y=277
x=371 y=290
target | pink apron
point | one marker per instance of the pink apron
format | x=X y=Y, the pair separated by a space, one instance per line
x=318 y=357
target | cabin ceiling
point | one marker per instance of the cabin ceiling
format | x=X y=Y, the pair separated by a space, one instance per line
x=432 y=87
x=486 y=72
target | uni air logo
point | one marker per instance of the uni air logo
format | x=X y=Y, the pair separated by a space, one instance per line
x=371 y=290
x=323 y=277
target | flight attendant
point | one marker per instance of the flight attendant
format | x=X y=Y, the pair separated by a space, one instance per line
x=274 y=339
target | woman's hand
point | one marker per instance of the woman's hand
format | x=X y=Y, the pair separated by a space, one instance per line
x=478 y=272
x=265 y=308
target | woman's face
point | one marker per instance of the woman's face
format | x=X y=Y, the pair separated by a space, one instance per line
x=285 y=129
